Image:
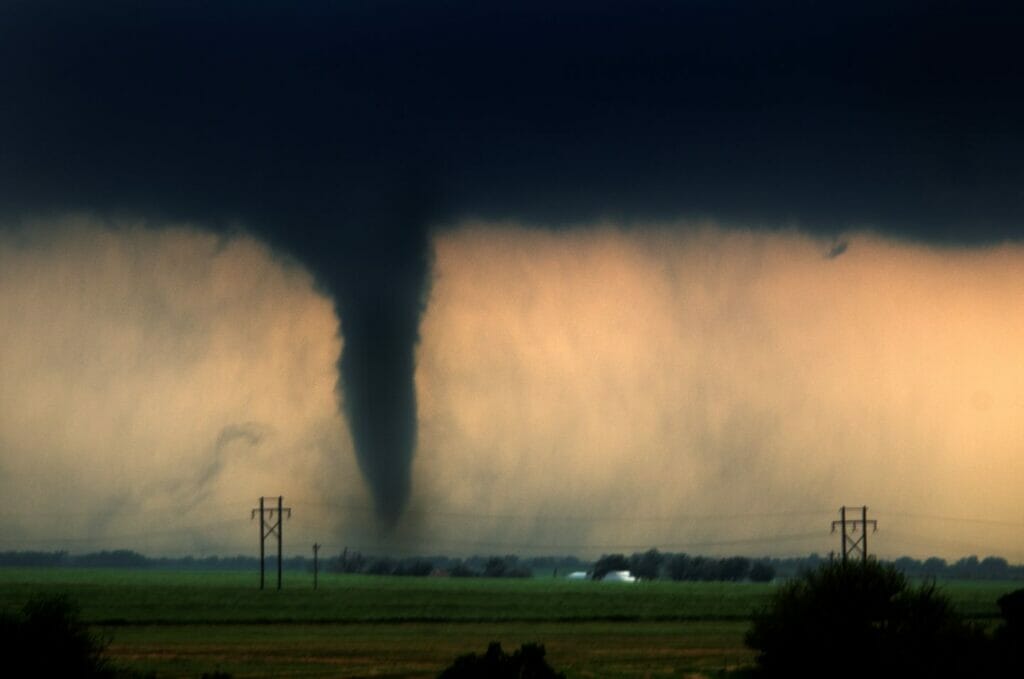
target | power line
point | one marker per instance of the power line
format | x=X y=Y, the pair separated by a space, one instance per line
x=547 y=517
x=579 y=517
x=7 y=515
x=957 y=519
x=121 y=536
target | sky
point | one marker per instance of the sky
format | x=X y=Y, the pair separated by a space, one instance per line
x=538 y=278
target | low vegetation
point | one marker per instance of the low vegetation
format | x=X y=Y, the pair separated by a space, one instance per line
x=865 y=618
x=47 y=638
x=187 y=623
x=649 y=565
x=528 y=661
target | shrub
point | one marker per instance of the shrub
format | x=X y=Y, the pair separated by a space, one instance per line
x=1009 y=637
x=528 y=661
x=863 y=619
x=47 y=638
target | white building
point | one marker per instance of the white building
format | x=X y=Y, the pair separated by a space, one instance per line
x=618 y=576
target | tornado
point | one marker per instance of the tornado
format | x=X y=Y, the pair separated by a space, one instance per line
x=373 y=259
x=379 y=289
x=376 y=381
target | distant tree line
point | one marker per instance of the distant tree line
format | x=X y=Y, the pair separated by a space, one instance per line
x=649 y=565
x=966 y=568
x=655 y=565
x=126 y=558
x=505 y=566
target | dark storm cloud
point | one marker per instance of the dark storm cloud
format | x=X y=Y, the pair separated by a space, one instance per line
x=340 y=132
x=320 y=113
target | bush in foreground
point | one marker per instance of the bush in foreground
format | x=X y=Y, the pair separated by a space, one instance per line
x=47 y=638
x=526 y=663
x=864 y=619
x=1009 y=637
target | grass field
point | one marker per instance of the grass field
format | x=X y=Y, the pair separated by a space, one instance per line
x=184 y=624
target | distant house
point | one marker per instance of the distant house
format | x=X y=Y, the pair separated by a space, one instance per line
x=618 y=576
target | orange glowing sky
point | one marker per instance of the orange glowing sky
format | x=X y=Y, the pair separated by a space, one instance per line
x=691 y=387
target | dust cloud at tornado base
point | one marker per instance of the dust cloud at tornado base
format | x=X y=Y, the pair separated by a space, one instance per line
x=690 y=387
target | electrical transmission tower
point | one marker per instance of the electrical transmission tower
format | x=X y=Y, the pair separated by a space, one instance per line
x=269 y=525
x=847 y=530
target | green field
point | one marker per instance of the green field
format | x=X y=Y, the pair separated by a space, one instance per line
x=184 y=624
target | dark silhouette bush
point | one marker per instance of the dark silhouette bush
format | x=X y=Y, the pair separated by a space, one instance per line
x=1009 y=637
x=526 y=663
x=47 y=638
x=863 y=619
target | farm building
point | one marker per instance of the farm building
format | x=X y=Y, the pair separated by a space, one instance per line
x=618 y=576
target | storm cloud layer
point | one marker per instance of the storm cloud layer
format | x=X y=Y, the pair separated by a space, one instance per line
x=343 y=134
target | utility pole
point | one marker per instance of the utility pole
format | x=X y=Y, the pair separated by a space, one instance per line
x=275 y=527
x=852 y=546
x=316 y=548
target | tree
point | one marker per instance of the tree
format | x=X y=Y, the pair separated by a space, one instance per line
x=381 y=566
x=679 y=567
x=863 y=619
x=495 y=567
x=933 y=567
x=704 y=569
x=733 y=568
x=349 y=562
x=48 y=639
x=528 y=661
x=608 y=563
x=414 y=567
x=462 y=570
x=1009 y=637
x=966 y=567
x=761 y=571
x=993 y=567
x=646 y=566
